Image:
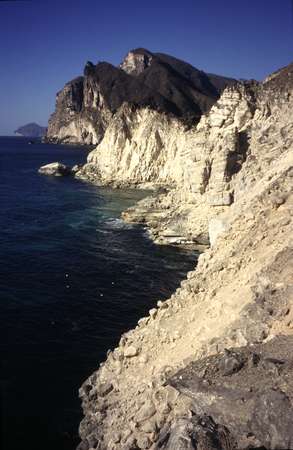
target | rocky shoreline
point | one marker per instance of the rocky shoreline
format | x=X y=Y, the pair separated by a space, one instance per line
x=233 y=298
x=211 y=367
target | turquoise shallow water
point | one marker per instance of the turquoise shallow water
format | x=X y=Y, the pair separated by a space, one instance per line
x=73 y=277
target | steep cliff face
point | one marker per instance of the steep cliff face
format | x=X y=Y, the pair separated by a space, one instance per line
x=171 y=383
x=142 y=145
x=80 y=115
x=86 y=105
x=139 y=146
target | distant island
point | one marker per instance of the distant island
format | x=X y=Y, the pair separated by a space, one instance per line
x=31 y=130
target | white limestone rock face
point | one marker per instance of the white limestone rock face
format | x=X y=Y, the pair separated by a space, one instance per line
x=139 y=146
x=216 y=148
x=144 y=146
x=204 y=166
x=76 y=132
x=216 y=228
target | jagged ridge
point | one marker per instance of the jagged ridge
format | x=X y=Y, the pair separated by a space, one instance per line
x=86 y=104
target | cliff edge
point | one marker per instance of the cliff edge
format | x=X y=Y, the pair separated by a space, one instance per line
x=211 y=367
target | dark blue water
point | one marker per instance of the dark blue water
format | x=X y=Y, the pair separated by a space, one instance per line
x=73 y=277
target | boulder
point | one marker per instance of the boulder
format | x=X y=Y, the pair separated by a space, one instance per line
x=130 y=351
x=76 y=168
x=56 y=169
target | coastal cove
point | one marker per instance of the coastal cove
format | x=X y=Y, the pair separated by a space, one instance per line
x=74 y=277
x=146 y=223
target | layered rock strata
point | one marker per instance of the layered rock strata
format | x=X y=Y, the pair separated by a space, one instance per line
x=211 y=367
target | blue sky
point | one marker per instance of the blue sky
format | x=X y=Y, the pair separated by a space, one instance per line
x=46 y=43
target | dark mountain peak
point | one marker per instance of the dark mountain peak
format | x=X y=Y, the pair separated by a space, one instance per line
x=175 y=79
x=113 y=86
x=175 y=62
x=141 y=51
x=104 y=66
x=89 y=68
x=102 y=69
x=136 y=61
x=155 y=80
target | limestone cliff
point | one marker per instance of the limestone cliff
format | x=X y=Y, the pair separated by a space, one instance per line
x=85 y=106
x=142 y=145
x=145 y=146
x=211 y=367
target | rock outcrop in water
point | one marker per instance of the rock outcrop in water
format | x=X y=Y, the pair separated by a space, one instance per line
x=55 y=169
x=86 y=105
x=210 y=368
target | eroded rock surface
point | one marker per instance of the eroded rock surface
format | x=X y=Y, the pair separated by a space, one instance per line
x=211 y=367
x=230 y=388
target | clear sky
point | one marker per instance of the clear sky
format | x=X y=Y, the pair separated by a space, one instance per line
x=46 y=43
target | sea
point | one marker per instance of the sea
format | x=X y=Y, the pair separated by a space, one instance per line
x=73 y=278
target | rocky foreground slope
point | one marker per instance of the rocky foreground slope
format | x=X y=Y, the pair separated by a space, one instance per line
x=210 y=368
x=86 y=105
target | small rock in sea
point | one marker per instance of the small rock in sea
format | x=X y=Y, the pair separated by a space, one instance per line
x=130 y=351
x=76 y=168
x=56 y=169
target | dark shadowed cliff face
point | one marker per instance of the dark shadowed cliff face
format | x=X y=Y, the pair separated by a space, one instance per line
x=191 y=90
x=86 y=104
